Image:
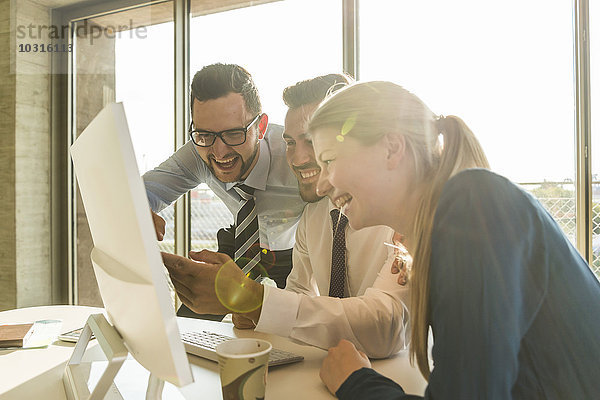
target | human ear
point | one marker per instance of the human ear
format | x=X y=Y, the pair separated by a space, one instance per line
x=262 y=125
x=395 y=146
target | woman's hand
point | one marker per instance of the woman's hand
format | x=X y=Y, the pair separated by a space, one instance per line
x=340 y=363
x=402 y=260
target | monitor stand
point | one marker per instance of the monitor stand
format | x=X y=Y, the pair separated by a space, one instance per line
x=77 y=372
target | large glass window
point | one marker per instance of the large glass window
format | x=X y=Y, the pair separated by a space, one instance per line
x=143 y=82
x=500 y=67
x=279 y=43
x=125 y=57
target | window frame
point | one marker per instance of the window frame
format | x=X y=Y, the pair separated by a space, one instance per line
x=583 y=130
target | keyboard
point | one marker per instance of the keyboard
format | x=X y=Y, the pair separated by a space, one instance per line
x=203 y=344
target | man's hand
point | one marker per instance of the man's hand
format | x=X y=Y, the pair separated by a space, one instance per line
x=211 y=283
x=159 y=225
x=241 y=322
x=194 y=281
x=340 y=363
x=237 y=292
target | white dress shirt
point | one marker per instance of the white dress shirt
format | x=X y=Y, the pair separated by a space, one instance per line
x=374 y=318
x=278 y=202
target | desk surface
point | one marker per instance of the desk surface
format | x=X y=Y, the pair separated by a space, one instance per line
x=37 y=373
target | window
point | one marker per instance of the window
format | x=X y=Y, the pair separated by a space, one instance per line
x=506 y=72
x=148 y=101
x=124 y=57
x=280 y=44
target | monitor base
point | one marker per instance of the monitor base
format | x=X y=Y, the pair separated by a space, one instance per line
x=77 y=373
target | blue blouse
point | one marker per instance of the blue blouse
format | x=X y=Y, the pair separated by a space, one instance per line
x=515 y=310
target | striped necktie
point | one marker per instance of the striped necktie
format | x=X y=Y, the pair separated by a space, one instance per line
x=338 y=254
x=247 y=243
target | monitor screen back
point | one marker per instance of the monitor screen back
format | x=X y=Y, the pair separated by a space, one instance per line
x=126 y=257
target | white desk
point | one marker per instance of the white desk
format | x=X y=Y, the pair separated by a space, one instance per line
x=37 y=373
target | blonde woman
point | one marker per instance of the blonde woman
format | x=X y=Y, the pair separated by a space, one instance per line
x=514 y=309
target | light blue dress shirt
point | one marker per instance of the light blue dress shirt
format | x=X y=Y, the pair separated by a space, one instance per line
x=278 y=202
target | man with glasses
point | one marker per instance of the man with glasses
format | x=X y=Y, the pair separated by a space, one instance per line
x=242 y=159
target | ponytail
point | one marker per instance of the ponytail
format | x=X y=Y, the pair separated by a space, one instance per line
x=460 y=150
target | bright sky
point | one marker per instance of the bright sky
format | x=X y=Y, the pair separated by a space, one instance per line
x=506 y=68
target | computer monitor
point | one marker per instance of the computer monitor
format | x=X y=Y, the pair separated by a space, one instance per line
x=126 y=257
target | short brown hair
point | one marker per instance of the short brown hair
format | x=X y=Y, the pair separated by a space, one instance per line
x=217 y=80
x=313 y=90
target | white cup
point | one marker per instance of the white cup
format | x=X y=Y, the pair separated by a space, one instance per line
x=243 y=367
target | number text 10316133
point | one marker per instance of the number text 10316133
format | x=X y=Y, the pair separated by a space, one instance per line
x=45 y=48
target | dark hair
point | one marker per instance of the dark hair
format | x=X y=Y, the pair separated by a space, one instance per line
x=313 y=90
x=218 y=80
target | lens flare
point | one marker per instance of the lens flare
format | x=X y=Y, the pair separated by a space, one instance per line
x=235 y=290
x=267 y=257
x=348 y=125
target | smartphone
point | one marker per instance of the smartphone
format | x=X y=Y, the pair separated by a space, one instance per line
x=72 y=336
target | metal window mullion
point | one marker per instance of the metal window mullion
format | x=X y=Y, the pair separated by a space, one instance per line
x=350 y=37
x=71 y=184
x=181 y=18
x=58 y=174
x=581 y=55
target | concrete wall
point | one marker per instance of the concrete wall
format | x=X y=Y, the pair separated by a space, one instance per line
x=25 y=156
x=25 y=244
x=8 y=233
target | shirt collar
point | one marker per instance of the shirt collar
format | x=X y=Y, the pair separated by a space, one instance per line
x=257 y=178
x=331 y=206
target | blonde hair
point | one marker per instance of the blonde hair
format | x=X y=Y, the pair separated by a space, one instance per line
x=367 y=111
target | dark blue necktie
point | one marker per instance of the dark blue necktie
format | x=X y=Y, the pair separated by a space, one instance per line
x=338 y=254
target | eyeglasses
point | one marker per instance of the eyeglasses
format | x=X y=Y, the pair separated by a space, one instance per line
x=231 y=137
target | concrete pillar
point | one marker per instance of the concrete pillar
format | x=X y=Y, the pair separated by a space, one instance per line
x=25 y=245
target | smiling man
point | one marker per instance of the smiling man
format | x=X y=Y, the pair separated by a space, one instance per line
x=341 y=285
x=241 y=158
x=230 y=154
x=299 y=152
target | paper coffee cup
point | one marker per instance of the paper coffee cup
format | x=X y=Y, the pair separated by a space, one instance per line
x=243 y=368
